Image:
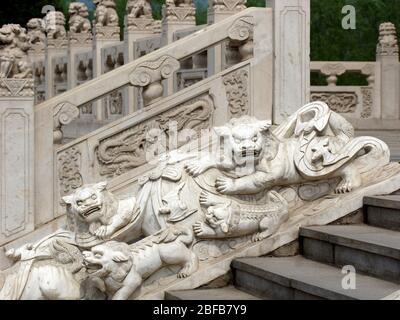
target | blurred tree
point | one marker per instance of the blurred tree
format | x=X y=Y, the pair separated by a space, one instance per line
x=13 y=11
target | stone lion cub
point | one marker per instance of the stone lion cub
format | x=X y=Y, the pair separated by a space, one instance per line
x=95 y=210
x=119 y=269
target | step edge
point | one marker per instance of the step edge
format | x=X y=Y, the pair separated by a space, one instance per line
x=374 y=248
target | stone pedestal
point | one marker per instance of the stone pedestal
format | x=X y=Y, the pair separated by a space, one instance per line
x=103 y=37
x=17 y=158
x=54 y=48
x=77 y=43
x=292 y=56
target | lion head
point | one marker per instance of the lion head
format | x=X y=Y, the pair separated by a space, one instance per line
x=90 y=203
x=112 y=259
x=13 y=35
x=245 y=138
x=105 y=3
x=78 y=9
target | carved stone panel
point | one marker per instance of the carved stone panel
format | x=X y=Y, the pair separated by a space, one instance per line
x=236 y=86
x=341 y=102
x=69 y=166
x=367 y=102
x=16 y=168
x=127 y=150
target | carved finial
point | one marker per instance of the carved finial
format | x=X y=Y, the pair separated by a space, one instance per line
x=105 y=14
x=387 y=43
x=36 y=34
x=13 y=52
x=54 y=23
x=78 y=21
x=139 y=16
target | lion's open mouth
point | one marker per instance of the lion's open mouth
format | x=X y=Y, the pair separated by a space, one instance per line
x=90 y=211
x=92 y=268
x=250 y=153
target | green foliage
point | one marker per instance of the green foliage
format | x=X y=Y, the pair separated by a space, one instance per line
x=329 y=41
x=13 y=11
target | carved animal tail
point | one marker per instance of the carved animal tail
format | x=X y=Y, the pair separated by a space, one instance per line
x=375 y=153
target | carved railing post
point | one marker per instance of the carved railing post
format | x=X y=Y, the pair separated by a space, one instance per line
x=387 y=54
x=139 y=24
x=106 y=33
x=222 y=55
x=56 y=45
x=79 y=38
x=149 y=75
x=36 y=55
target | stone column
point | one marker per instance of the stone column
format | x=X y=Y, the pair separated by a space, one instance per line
x=103 y=36
x=17 y=158
x=292 y=56
x=174 y=19
x=387 y=54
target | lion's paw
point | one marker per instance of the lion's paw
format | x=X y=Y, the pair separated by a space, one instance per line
x=225 y=185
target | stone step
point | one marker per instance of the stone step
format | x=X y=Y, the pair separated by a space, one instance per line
x=373 y=251
x=383 y=211
x=226 y=293
x=297 y=278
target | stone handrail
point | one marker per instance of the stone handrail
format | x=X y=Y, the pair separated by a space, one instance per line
x=147 y=73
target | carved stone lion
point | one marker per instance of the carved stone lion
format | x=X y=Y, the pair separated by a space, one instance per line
x=95 y=214
x=13 y=52
x=36 y=34
x=139 y=9
x=314 y=144
x=54 y=23
x=78 y=21
x=105 y=14
x=120 y=269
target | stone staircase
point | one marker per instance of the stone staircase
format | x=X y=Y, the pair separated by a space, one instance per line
x=372 y=248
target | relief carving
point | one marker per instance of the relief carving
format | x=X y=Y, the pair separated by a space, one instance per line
x=236 y=86
x=237 y=201
x=341 y=102
x=127 y=150
x=69 y=166
x=367 y=102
